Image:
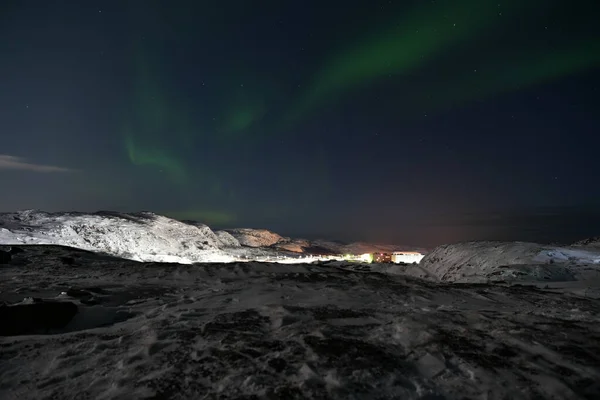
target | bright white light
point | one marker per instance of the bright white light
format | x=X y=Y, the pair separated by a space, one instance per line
x=408 y=257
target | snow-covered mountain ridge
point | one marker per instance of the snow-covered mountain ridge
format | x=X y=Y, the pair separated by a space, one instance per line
x=589 y=242
x=265 y=238
x=149 y=237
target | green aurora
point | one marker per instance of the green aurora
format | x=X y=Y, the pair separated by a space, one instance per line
x=159 y=132
x=426 y=37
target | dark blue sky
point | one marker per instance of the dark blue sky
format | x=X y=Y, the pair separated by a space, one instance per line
x=414 y=122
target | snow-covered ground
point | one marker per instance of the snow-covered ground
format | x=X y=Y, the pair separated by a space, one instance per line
x=511 y=261
x=254 y=330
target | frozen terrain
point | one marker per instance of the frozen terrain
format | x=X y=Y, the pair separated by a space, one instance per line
x=256 y=237
x=141 y=236
x=129 y=330
x=265 y=238
x=593 y=242
x=511 y=261
x=149 y=237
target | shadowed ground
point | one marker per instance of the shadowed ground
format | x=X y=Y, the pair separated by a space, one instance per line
x=251 y=330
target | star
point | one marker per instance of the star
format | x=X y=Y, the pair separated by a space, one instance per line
x=376 y=70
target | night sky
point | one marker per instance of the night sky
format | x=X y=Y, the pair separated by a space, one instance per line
x=409 y=122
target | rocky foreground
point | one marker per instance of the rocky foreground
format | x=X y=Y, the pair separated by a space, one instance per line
x=81 y=325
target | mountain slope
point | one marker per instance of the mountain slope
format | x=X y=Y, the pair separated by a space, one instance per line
x=589 y=242
x=140 y=236
x=265 y=238
x=508 y=261
x=149 y=237
x=255 y=237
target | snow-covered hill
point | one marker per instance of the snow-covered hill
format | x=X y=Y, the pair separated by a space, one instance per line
x=227 y=239
x=589 y=242
x=509 y=261
x=361 y=247
x=265 y=238
x=255 y=237
x=141 y=236
x=150 y=237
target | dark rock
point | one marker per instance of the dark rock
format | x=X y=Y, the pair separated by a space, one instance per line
x=5 y=257
x=84 y=296
x=96 y=290
x=16 y=250
x=278 y=364
x=92 y=301
x=36 y=318
x=34 y=299
x=67 y=260
x=78 y=293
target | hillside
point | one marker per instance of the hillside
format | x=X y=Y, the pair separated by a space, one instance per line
x=137 y=236
x=265 y=238
x=510 y=261
x=146 y=236
x=589 y=242
x=255 y=237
